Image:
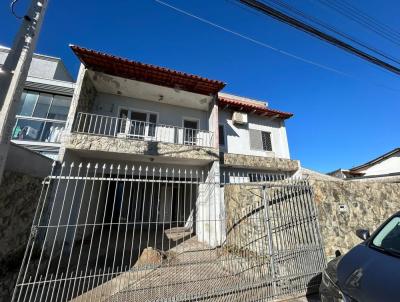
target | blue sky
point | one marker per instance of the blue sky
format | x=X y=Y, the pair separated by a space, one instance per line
x=339 y=120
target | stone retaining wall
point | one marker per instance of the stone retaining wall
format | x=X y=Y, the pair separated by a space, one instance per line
x=19 y=194
x=343 y=207
x=346 y=206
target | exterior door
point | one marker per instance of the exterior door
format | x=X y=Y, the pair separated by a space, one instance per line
x=190 y=132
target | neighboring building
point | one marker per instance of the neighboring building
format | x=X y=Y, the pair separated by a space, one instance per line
x=44 y=105
x=386 y=165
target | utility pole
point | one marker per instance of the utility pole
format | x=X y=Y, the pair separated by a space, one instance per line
x=14 y=72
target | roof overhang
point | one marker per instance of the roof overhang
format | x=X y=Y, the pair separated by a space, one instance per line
x=234 y=104
x=141 y=72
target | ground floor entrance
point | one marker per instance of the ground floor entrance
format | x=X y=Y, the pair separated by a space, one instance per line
x=123 y=233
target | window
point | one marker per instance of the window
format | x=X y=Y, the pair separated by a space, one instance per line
x=41 y=117
x=59 y=108
x=388 y=239
x=260 y=140
x=221 y=135
x=266 y=141
x=44 y=105
x=28 y=102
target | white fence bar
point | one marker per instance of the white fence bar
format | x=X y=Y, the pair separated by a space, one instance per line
x=132 y=129
x=110 y=232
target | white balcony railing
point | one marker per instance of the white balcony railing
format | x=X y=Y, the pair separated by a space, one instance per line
x=138 y=130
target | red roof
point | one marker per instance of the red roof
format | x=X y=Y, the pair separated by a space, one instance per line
x=124 y=68
x=252 y=108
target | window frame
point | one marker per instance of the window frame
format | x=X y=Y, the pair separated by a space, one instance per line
x=270 y=139
x=147 y=112
x=31 y=116
x=223 y=134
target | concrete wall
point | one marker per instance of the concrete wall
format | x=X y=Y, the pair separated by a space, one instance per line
x=345 y=206
x=43 y=67
x=237 y=138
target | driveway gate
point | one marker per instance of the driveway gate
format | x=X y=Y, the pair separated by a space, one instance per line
x=129 y=233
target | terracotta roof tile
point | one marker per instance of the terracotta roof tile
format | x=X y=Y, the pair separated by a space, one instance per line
x=134 y=70
x=252 y=108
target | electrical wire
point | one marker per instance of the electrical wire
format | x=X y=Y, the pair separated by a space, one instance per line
x=324 y=67
x=362 y=21
x=12 y=7
x=315 y=20
x=368 y=17
x=283 y=52
x=278 y=15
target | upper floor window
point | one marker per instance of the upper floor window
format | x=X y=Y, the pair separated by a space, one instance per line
x=44 y=105
x=260 y=140
x=266 y=141
x=221 y=135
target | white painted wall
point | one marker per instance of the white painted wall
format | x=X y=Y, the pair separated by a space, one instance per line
x=109 y=104
x=237 y=138
x=42 y=66
x=389 y=165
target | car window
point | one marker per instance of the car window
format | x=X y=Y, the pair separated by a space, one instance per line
x=389 y=236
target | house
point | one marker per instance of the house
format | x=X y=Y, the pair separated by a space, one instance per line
x=45 y=103
x=143 y=161
x=386 y=165
x=127 y=112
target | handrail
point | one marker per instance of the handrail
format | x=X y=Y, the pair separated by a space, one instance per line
x=97 y=124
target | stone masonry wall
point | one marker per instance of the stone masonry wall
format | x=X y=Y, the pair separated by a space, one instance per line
x=345 y=206
x=260 y=162
x=19 y=194
x=122 y=145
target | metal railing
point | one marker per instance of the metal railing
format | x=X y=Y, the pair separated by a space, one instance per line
x=38 y=129
x=139 y=130
x=131 y=233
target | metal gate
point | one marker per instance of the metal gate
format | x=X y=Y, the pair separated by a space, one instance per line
x=132 y=233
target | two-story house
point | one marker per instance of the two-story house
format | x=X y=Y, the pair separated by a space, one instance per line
x=145 y=154
x=45 y=103
x=127 y=112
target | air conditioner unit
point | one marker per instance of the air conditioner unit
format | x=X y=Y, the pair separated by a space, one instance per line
x=239 y=118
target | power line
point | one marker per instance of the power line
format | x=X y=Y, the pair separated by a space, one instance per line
x=283 y=52
x=298 y=12
x=268 y=10
x=359 y=19
x=12 y=6
x=324 y=67
x=368 y=17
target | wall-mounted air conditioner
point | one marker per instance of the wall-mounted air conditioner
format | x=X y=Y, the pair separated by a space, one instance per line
x=239 y=118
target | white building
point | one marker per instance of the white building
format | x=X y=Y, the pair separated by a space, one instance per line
x=124 y=112
x=44 y=105
x=386 y=165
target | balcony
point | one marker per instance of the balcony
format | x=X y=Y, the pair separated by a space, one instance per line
x=39 y=130
x=87 y=123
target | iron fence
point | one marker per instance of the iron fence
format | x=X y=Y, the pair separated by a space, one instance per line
x=132 y=233
x=89 y=123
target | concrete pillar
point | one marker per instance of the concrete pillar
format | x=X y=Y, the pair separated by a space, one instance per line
x=14 y=72
x=210 y=216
